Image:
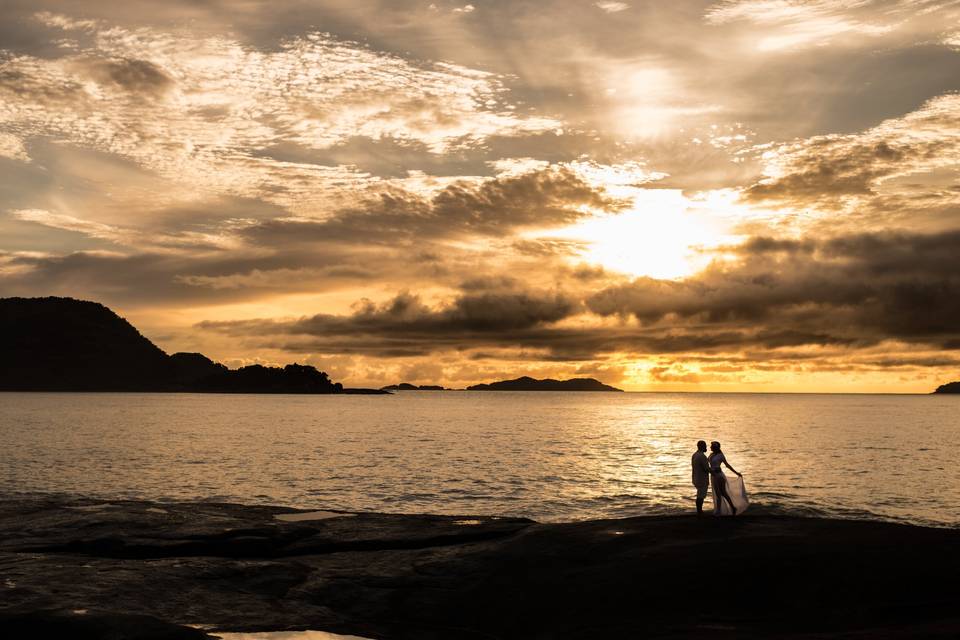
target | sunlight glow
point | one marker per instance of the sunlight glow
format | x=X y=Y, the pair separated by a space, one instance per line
x=660 y=236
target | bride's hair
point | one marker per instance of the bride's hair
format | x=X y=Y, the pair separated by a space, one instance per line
x=715 y=446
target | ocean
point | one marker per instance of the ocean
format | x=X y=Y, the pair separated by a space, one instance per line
x=544 y=455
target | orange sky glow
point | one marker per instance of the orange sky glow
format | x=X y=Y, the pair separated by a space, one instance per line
x=689 y=196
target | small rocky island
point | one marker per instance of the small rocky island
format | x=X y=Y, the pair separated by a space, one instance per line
x=62 y=344
x=527 y=383
x=406 y=386
x=950 y=387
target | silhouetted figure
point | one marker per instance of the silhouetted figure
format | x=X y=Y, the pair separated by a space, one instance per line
x=720 y=489
x=701 y=474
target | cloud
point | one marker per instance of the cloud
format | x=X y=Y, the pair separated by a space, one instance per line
x=64 y=22
x=499 y=206
x=274 y=279
x=142 y=240
x=832 y=170
x=804 y=23
x=139 y=77
x=769 y=299
x=862 y=288
x=199 y=161
x=12 y=147
x=467 y=8
x=197 y=109
x=611 y=7
x=405 y=325
x=215 y=252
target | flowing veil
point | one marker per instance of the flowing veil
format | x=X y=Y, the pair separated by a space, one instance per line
x=737 y=492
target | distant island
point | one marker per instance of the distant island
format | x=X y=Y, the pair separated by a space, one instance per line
x=406 y=386
x=950 y=387
x=62 y=344
x=527 y=383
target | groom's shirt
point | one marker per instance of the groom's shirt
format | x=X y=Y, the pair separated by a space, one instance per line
x=701 y=470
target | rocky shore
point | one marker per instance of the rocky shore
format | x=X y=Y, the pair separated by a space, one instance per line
x=91 y=569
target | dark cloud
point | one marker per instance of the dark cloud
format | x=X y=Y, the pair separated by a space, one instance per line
x=490 y=283
x=405 y=327
x=385 y=335
x=823 y=169
x=15 y=84
x=407 y=318
x=866 y=287
x=130 y=281
x=844 y=294
x=548 y=247
x=829 y=168
x=229 y=249
x=139 y=77
x=494 y=207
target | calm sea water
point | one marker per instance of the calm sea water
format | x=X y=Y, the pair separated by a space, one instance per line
x=549 y=456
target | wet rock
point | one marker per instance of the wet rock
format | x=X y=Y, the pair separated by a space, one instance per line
x=239 y=568
x=86 y=625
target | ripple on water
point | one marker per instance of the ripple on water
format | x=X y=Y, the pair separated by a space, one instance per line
x=551 y=457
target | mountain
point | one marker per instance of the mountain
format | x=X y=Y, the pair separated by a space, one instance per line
x=531 y=384
x=62 y=344
x=950 y=387
x=406 y=386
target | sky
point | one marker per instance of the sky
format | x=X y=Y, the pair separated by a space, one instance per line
x=679 y=196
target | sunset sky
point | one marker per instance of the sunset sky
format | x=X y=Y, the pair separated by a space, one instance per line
x=688 y=195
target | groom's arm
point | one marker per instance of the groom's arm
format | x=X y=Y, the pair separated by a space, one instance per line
x=704 y=465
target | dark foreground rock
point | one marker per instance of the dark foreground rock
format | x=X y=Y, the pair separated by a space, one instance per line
x=135 y=570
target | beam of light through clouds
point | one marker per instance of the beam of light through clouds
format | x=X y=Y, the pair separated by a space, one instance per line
x=712 y=195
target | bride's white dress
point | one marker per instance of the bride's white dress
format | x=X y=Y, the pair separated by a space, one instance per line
x=735 y=489
x=737 y=492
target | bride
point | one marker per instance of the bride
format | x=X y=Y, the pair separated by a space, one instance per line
x=729 y=495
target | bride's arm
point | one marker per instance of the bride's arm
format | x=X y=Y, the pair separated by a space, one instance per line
x=731 y=468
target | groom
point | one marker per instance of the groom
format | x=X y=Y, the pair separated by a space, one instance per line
x=701 y=474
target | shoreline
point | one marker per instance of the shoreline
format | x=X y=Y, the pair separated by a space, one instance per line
x=240 y=568
x=363 y=390
x=759 y=506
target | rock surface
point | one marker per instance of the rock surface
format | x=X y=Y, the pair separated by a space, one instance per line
x=950 y=387
x=137 y=569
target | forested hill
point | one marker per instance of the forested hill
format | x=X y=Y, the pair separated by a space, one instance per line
x=62 y=344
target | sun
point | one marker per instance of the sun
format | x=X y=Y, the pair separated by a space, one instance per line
x=661 y=236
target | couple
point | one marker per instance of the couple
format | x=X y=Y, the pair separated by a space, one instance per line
x=729 y=495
